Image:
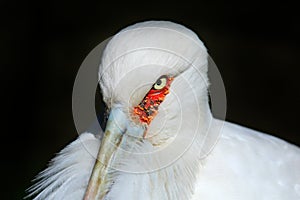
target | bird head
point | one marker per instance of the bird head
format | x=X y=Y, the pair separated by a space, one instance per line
x=153 y=77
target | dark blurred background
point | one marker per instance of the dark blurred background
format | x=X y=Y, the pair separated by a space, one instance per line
x=255 y=45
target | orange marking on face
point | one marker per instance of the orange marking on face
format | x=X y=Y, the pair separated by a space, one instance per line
x=148 y=108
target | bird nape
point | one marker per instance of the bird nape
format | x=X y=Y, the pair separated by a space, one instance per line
x=161 y=140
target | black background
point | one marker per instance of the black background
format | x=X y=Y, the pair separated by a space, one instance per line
x=255 y=45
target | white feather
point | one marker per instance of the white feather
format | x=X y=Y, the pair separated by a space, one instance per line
x=68 y=173
x=246 y=164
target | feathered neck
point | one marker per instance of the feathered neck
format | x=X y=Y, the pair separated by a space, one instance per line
x=175 y=181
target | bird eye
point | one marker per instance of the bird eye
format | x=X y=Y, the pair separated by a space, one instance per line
x=160 y=83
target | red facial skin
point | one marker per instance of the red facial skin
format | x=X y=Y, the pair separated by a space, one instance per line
x=148 y=108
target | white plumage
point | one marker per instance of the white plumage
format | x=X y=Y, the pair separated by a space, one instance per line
x=239 y=163
x=68 y=173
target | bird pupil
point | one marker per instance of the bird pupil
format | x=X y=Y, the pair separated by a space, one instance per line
x=158 y=82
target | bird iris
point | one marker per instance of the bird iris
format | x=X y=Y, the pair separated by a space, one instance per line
x=160 y=83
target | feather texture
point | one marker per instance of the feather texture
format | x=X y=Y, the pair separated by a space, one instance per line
x=246 y=164
x=68 y=173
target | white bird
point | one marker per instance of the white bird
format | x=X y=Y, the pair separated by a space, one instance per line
x=161 y=140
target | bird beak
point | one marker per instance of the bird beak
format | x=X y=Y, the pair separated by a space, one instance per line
x=117 y=125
